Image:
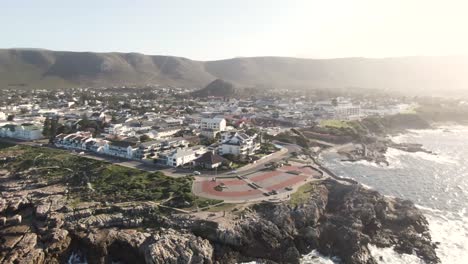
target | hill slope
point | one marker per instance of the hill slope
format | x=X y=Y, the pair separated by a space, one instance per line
x=43 y=68
x=217 y=87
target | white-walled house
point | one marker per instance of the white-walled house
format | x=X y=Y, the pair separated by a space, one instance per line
x=236 y=143
x=216 y=123
x=24 y=131
x=76 y=140
x=121 y=149
x=115 y=129
x=182 y=156
x=3 y=116
x=210 y=127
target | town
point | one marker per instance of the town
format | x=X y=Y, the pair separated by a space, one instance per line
x=167 y=129
x=161 y=128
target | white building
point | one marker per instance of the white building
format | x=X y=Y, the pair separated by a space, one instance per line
x=3 y=116
x=340 y=109
x=210 y=127
x=347 y=112
x=217 y=124
x=181 y=156
x=236 y=143
x=115 y=129
x=76 y=140
x=121 y=149
x=24 y=131
x=165 y=132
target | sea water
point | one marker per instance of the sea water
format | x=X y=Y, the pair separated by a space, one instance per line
x=437 y=183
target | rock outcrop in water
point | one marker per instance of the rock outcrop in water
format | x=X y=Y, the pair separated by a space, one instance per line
x=40 y=225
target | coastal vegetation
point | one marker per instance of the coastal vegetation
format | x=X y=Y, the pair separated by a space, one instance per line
x=92 y=180
x=302 y=194
x=363 y=131
x=5 y=145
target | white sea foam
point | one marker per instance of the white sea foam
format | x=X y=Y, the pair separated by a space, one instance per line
x=388 y=255
x=451 y=231
x=438 y=183
x=394 y=157
x=425 y=208
x=315 y=257
x=365 y=163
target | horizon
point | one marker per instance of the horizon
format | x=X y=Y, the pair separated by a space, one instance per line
x=240 y=57
x=215 y=30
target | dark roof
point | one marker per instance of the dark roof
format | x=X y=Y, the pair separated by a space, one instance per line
x=122 y=144
x=210 y=158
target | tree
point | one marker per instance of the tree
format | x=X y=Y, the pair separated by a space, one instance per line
x=144 y=138
x=46 y=128
x=334 y=102
x=53 y=129
x=84 y=120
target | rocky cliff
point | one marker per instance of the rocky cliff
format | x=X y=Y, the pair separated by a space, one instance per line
x=39 y=224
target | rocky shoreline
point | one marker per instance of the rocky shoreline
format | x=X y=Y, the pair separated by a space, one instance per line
x=375 y=151
x=40 y=224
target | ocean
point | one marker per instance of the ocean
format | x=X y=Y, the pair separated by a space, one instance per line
x=437 y=183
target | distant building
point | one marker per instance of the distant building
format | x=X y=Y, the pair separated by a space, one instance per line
x=237 y=143
x=210 y=127
x=76 y=140
x=210 y=160
x=217 y=123
x=148 y=149
x=3 y=116
x=179 y=157
x=123 y=149
x=115 y=129
x=338 y=108
x=24 y=131
x=165 y=132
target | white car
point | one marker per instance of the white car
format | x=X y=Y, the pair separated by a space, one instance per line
x=233 y=172
x=196 y=173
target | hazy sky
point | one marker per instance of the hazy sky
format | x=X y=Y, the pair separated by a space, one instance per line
x=217 y=29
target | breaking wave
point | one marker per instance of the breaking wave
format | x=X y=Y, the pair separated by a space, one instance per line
x=437 y=183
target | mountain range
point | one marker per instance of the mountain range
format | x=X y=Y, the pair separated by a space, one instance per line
x=36 y=68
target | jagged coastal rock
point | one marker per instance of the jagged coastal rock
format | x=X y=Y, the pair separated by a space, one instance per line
x=39 y=224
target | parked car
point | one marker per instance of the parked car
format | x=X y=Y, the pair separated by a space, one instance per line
x=233 y=172
x=196 y=173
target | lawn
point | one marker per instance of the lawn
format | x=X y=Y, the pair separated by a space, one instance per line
x=5 y=145
x=335 y=123
x=302 y=194
x=222 y=207
x=92 y=180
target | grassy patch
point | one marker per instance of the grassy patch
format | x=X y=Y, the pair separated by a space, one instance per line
x=5 y=145
x=112 y=183
x=222 y=207
x=302 y=194
x=335 y=123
